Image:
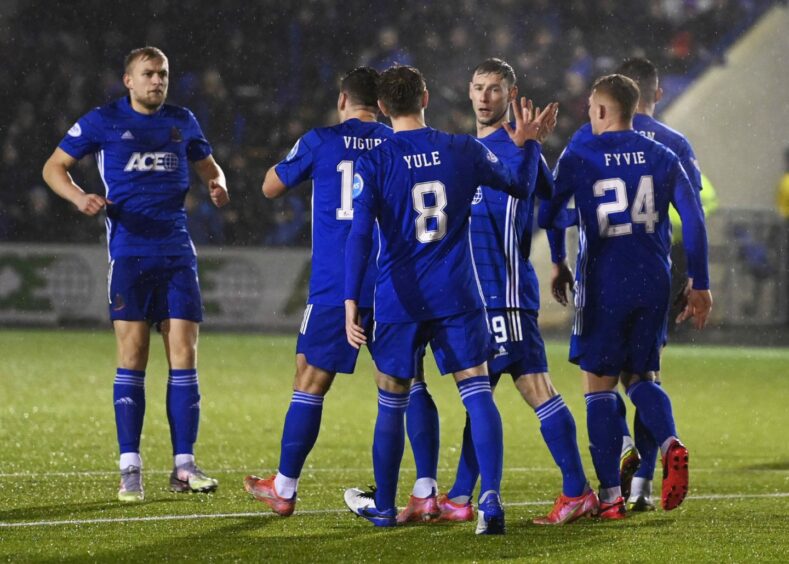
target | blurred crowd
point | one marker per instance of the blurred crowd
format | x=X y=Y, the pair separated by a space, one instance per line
x=258 y=75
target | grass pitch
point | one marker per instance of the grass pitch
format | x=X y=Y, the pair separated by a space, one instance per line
x=58 y=465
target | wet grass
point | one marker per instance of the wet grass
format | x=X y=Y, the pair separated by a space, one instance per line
x=58 y=474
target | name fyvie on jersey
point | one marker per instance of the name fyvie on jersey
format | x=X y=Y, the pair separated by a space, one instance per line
x=619 y=159
x=159 y=162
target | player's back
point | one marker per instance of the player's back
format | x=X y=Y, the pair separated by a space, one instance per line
x=328 y=156
x=623 y=185
x=674 y=140
x=423 y=182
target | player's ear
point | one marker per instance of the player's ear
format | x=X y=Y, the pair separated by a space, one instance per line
x=425 y=99
x=513 y=94
x=342 y=100
x=470 y=90
x=127 y=80
x=602 y=111
x=383 y=108
x=658 y=94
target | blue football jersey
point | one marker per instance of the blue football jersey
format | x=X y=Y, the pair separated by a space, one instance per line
x=501 y=231
x=142 y=161
x=657 y=131
x=327 y=155
x=418 y=187
x=623 y=183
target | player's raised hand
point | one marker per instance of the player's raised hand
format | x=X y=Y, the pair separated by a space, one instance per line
x=698 y=307
x=561 y=281
x=91 y=204
x=549 y=123
x=218 y=193
x=353 y=329
x=528 y=121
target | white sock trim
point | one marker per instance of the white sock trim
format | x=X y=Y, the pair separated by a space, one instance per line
x=130 y=459
x=183 y=459
x=609 y=495
x=425 y=487
x=640 y=487
x=285 y=487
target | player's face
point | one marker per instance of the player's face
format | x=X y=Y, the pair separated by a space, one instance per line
x=594 y=113
x=490 y=96
x=147 y=81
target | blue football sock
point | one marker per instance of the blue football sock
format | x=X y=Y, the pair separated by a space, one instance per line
x=558 y=429
x=128 y=395
x=183 y=409
x=654 y=409
x=621 y=408
x=422 y=425
x=468 y=469
x=486 y=431
x=647 y=448
x=605 y=436
x=388 y=446
x=302 y=424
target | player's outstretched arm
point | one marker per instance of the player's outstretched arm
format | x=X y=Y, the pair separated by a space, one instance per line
x=561 y=282
x=214 y=178
x=57 y=177
x=353 y=329
x=531 y=124
x=273 y=187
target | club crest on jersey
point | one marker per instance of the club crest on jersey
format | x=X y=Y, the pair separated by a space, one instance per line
x=492 y=158
x=159 y=162
x=175 y=135
x=358 y=186
x=75 y=130
x=293 y=151
x=477 y=196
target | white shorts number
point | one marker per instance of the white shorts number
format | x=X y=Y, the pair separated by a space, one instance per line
x=499 y=325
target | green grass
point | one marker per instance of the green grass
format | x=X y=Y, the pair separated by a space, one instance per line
x=58 y=462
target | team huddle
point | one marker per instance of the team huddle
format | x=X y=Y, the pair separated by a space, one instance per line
x=422 y=237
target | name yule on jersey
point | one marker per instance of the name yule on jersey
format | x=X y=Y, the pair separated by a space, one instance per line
x=619 y=159
x=158 y=162
x=361 y=143
x=422 y=160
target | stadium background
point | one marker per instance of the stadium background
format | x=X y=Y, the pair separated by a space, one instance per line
x=260 y=75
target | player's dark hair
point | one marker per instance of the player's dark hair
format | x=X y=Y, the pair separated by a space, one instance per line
x=361 y=86
x=644 y=73
x=143 y=54
x=497 y=66
x=400 y=90
x=623 y=90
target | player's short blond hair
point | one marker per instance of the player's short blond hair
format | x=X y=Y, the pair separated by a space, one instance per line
x=142 y=54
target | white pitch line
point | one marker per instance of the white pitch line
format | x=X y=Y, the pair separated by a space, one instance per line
x=263 y=514
x=519 y=469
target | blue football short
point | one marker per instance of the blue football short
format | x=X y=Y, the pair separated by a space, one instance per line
x=519 y=346
x=458 y=342
x=322 y=339
x=153 y=289
x=620 y=339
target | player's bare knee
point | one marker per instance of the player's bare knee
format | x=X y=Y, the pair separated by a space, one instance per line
x=391 y=384
x=311 y=379
x=536 y=388
x=628 y=379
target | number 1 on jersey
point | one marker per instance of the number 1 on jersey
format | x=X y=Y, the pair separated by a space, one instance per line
x=345 y=211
